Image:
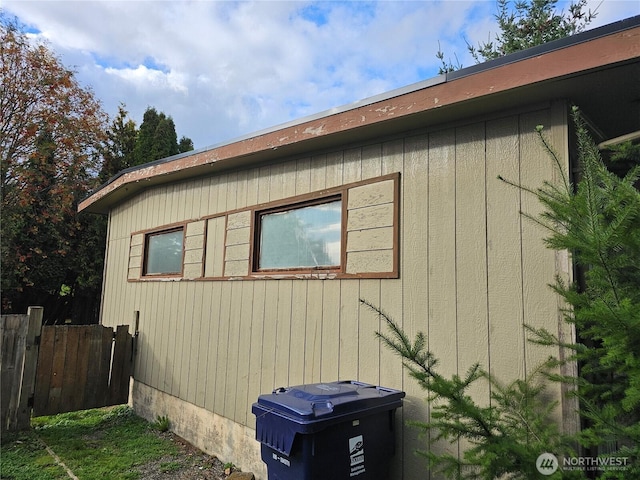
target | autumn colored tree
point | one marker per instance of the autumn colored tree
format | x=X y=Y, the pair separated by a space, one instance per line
x=50 y=132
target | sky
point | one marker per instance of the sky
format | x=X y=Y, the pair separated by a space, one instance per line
x=226 y=69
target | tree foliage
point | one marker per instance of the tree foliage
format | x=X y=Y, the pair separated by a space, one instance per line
x=504 y=436
x=598 y=221
x=157 y=138
x=185 y=144
x=524 y=24
x=127 y=146
x=118 y=148
x=50 y=132
x=55 y=147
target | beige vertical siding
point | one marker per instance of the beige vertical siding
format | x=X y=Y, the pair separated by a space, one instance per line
x=415 y=280
x=472 y=271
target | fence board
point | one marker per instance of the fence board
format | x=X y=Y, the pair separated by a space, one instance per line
x=30 y=364
x=121 y=367
x=59 y=357
x=102 y=380
x=43 y=370
x=82 y=369
x=70 y=387
x=14 y=336
x=94 y=367
x=18 y=357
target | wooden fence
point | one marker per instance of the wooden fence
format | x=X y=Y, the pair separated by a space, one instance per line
x=64 y=369
x=80 y=367
x=18 y=356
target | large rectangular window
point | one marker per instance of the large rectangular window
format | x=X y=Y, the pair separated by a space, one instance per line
x=164 y=252
x=306 y=236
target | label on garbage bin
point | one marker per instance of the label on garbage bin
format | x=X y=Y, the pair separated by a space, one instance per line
x=282 y=460
x=356 y=453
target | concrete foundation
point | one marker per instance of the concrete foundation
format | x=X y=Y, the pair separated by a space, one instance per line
x=211 y=433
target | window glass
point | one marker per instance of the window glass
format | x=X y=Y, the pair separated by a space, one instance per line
x=164 y=253
x=306 y=237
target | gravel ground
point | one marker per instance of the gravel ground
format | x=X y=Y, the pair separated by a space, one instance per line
x=190 y=464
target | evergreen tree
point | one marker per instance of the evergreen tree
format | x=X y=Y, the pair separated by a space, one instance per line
x=185 y=145
x=526 y=24
x=55 y=147
x=118 y=150
x=165 y=138
x=157 y=138
x=599 y=223
x=505 y=437
x=145 y=150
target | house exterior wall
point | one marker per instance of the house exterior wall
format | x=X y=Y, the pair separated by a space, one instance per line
x=472 y=271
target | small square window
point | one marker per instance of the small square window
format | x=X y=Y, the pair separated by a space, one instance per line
x=163 y=252
x=308 y=236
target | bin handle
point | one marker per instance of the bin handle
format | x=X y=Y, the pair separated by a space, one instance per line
x=368 y=385
x=321 y=408
x=388 y=390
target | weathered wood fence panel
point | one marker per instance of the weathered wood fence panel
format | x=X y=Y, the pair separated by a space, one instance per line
x=64 y=369
x=121 y=366
x=18 y=357
x=81 y=367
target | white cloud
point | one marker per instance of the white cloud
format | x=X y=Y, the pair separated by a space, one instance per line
x=223 y=69
x=143 y=77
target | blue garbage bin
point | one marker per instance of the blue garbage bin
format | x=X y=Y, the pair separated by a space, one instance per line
x=328 y=431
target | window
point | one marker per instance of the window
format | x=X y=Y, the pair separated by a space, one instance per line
x=346 y=231
x=163 y=252
x=307 y=236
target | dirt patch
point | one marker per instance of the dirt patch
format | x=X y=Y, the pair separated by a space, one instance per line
x=190 y=463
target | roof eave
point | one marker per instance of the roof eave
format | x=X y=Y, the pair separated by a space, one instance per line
x=532 y=69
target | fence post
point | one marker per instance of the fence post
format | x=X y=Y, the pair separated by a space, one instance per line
x=30 y=362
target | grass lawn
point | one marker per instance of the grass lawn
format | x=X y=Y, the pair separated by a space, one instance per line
x=105 y=443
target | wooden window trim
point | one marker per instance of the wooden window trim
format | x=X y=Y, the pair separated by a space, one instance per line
x=254 y=249
x=145 y=250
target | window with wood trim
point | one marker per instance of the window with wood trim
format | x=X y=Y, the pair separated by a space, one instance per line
x=304 y=236
x=347 y=231
x=163 y=252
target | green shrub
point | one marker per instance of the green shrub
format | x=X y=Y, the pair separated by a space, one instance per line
x=162 y=423
x=505 y=437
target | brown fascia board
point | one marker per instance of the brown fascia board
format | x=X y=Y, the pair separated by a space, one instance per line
x=592 y=50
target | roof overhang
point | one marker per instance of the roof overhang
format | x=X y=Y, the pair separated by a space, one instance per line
x=598 y=70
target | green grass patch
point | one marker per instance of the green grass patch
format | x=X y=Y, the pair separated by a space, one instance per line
x=24 y=457
x=168 y=467
x=94 y=444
